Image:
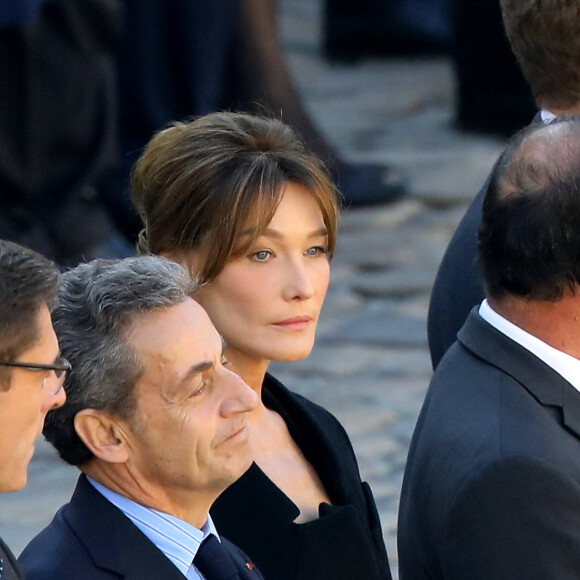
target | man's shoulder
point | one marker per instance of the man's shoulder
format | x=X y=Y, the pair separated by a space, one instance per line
x=458 y=285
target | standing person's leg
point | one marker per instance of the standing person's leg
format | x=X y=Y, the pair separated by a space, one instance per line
x=357 y=28
x=492 y=95
x=263 y=81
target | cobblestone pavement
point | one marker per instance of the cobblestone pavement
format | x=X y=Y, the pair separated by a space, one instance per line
x=370 y=365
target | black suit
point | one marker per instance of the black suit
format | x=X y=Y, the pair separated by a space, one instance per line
x=89 y=538
x=458 y=286
x=9 y=569
x=492 y=484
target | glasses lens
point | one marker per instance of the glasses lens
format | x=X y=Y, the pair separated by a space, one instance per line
x=55 y=385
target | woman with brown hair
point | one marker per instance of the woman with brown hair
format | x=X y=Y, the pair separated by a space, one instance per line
x=239 y=201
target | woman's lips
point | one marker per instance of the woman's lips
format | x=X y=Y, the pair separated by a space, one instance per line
x=295 y=323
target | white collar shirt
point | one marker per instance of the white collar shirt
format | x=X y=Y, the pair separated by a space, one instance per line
x=564 y=364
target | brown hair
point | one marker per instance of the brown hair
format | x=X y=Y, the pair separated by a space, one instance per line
x=199 y=181
x=545 y=38
x=27 y=281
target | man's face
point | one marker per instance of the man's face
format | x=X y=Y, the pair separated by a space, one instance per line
x=189 y=432
x=24 y=403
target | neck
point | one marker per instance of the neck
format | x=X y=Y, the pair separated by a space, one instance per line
x=555 y=323
x=250 y=368
x=187 y=505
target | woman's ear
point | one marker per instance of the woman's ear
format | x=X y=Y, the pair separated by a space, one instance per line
x=105 y=437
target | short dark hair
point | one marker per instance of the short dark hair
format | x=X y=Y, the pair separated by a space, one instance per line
x=545 y=38
x=199 y=180
x=27 y=281
x=529 y=238
x=99 y=301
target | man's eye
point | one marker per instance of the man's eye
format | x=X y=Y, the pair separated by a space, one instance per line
x=200 y=390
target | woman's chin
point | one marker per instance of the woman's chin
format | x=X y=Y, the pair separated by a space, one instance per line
x=293 y=356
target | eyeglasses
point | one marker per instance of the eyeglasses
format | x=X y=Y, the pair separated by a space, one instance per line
x=61 y=368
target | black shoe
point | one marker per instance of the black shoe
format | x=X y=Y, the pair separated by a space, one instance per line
x=367 y=184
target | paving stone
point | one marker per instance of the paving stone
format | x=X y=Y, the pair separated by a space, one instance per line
x=393 y=284
x=380 y=324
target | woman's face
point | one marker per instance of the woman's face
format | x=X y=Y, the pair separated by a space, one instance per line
x=266 y=303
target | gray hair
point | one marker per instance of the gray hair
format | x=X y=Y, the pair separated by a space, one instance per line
x=99 y=302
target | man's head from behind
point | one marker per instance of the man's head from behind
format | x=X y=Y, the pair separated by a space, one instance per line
x=151 y=411
x=28 y=289
x=529 y=238
x=545 y=37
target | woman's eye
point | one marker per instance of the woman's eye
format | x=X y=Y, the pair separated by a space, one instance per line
x=262 y=255
x=316 y=251
x=225 y=362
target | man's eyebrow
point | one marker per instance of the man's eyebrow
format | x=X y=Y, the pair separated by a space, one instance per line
x=202 y=366
x=196 y=370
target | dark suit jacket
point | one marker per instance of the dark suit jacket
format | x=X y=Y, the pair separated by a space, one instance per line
x=10 y=568
x=492 y=484
x=344 y=543
x=89 y=538
x=458 y=286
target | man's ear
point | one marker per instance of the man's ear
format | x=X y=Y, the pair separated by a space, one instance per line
x=106 y=437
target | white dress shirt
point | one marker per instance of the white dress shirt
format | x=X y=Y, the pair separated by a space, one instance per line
x=177 y=539
x=564 y=364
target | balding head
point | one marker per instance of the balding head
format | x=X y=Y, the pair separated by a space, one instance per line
x=529 y=239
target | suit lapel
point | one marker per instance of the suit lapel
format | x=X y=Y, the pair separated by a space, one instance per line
x=543 y=382
x=9 y=569
x=113 y=541
x=246 y=570
x=317 y=438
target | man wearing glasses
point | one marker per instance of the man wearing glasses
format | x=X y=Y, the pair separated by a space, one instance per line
x=31 y=371
x=156 y=423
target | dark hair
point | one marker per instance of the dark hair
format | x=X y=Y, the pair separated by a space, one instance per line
x=529 y=238
x=99 y=301
x=545 y=39
x=27 y=281
x=198 y=181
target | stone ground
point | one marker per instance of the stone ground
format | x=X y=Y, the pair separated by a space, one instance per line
x=370 y=365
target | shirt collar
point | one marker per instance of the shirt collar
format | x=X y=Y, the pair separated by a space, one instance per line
x=176 y=538
x=547 y=116
x=564 y=364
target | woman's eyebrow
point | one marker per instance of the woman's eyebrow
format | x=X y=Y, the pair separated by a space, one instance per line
x=272 y=233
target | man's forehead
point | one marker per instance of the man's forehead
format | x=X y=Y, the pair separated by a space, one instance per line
x=180 y=330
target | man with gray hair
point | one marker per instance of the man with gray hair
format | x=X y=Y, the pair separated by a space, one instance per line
x=492 y=483
x=155 y=422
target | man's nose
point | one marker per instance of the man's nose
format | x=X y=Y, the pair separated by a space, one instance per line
x=240 y=397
